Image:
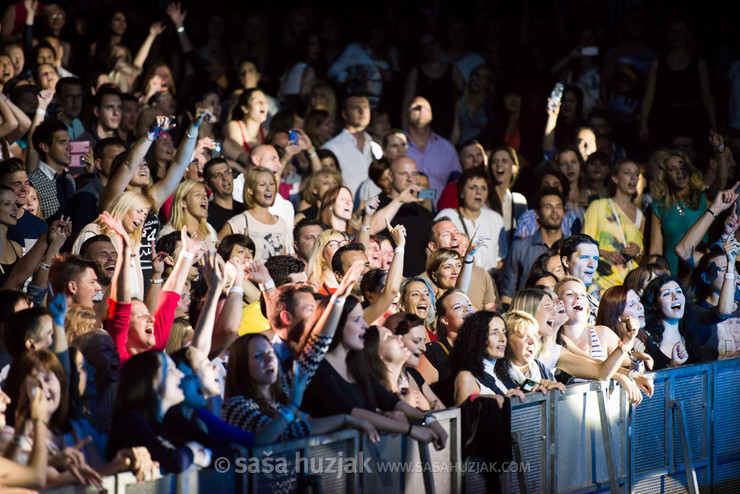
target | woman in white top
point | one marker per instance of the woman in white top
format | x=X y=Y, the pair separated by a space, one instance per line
x=473 y=214
x=132 y=209
x=270 y=233
x=504 y=168
x=190 y=208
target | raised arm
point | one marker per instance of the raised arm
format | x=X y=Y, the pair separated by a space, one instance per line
x=386 y=214
x=32 y=156
x=163 y=189
x=548 y=137
x=369 y=208
x=154 y=30
x=726 y=304
x=213 y=273
x=176 y=14
x=57 y=235
x=120 y=289
x=10 y=123
x=120 y=180
x=686 y=247
x=393 y=280
x=466 y=275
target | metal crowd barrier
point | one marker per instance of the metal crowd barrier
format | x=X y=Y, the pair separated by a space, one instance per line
x=317 y=464
x=686 y=438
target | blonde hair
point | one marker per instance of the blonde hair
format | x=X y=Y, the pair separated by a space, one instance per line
x=79 y=320
x=662 y=192
x=566 y=279
x=180 y=330
x=120 y=206
x=309 y=193
x=528 y=300
x=435 y=261
x=177 y=212
x=250 y=182
x=316 y=262
x=517 y=323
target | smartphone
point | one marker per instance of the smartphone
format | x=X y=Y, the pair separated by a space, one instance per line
x=217 y=149
x=293 y=136
x=428 y=194
x=589 y=51
x=528 y=385
x=78 y=165
x=556 y=95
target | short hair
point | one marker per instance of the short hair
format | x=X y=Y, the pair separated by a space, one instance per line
x=211 y=163
x=79 y=321
x=281 y=267
x=44 y=134
x=377 y=168
x=66 y=268
x=85 y=249
x=564 y=183
x=373 y=282
x=228 y=243
x=20 y=326
x=437 y=221
x=306 y=222
x=439 y=257
x=103 y=92
x=168 y=243
x=66 y=81
x=441 y=311
x=336 y=261
x=468 y=175
x=283 y=299
x=129 y=97
x=401 y=323
x=570 y=244
x=103 y=144
x=326 y=153
x=547 y=191
x=8 y=300
x=516 y=322
x=9 y=167
x=536 y=275
x=353 y=94
x=391 y=132
x=308 y=193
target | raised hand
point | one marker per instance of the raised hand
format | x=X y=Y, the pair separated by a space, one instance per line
x=724 y=199
x=553 y=109
x=58 y=232
x=44 y=98
x=630 y=327
x=157 y=28
x=732 y=247
x=370 y=206
x=410 y=194
x=58 y=308
x=255 y=270
x=213 y=270
x=202 y=114
x=163 y=123
x=398 y=233
x=352 y=276
x=176 y=14
x=115 y=225
x=475 y=244
x=300 y=382
x=731 y=223
x=189 y=244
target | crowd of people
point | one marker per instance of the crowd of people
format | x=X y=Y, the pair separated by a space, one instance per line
x=243 y=235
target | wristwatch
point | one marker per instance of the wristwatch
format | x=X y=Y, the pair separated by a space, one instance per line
x=428 y=420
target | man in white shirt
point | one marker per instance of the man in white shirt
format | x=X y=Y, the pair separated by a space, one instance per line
x=353 y=147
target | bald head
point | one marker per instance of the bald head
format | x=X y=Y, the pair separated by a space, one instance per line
x=266 y=156
x=419 y=113
x=403 y=173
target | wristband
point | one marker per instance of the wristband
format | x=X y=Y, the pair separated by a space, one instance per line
x=632 y=374
x=287 y=414
x=620 y=345
x=729 y=276
x=429 y=419
x=267 y=286
x=473 y=397
x=294 y=404
x=236 y=289
x=191 y=137
x=181 y=29
x=399 y=250
x=719 y=148
x=365 y=228
x=45 y=266
x=311 y=155
x=156 y=282
x=40 y=111
x=469 y=261
x=187 y=255
x=151 y=136
x=714 y=215
x=340 y=301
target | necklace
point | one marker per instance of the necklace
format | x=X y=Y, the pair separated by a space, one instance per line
x=679 y=205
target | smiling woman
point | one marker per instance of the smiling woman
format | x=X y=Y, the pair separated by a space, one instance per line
x=190 y=208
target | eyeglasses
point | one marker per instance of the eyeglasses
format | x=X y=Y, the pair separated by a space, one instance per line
x=58 y=16
x=335 y=244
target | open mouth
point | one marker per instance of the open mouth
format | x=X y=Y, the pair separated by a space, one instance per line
x=137 y=224
x=149 y=330
x=578 y=307
x=501 y=348
x=550 y=322
x=676 y=306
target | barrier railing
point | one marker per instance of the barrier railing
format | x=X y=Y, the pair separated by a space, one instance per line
x=589 y=439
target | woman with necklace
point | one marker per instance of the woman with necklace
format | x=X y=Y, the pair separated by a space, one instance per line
x=678 y=202
x=473 y=214
x=504 y=168
x=618 y=225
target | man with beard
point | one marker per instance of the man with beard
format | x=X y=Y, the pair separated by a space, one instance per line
x=220 y=180
x=524 y=251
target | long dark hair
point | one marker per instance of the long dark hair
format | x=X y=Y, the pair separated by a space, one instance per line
x=372 y=355
x=653 y=312
x=471 y=343
x=357 y=364
x=240 y=383
x=136 y=391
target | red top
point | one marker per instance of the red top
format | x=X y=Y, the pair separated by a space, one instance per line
x=448 y=198
x=120 y=317
x=247 y=147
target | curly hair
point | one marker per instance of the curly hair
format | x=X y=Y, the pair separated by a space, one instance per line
x=471 y=343
x=654 y=313
x=662 y=193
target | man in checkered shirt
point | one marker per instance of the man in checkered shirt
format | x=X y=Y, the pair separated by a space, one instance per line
x=52 y=179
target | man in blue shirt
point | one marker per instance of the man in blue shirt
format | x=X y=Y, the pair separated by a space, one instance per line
x=29 y=227
x=523 y=252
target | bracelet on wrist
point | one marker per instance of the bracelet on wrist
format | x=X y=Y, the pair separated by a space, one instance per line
x=267 y=286
x=473 y=397
x=181 y=29
x=191 y=136
x=714 y=215
x=399 y=250
x=44 y=266
x=236 y=289
x=40 y=111
x=188 y=255
x=469 y=261
x=154 y=281
x=340 y=301
x=365 y=228
x=730 y=276
x=287 y=414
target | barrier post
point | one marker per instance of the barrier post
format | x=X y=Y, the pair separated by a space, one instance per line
x=606 y=436
x=516 y=438
x=683 y=434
